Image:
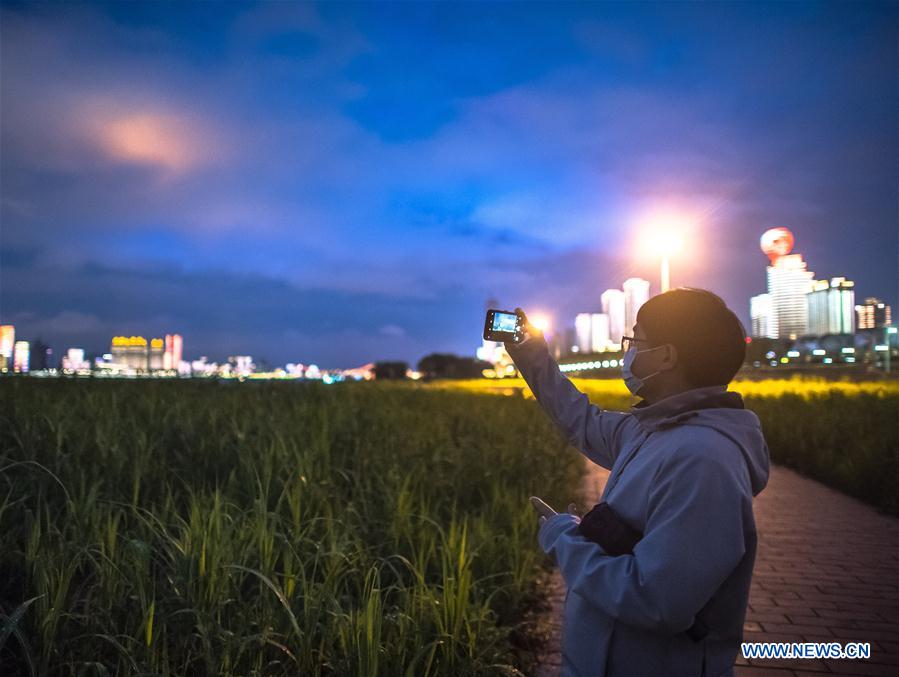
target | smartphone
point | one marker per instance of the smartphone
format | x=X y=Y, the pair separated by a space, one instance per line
x=503 y=326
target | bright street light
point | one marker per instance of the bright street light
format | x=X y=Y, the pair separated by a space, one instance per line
x=540 y=321
x=663 y=236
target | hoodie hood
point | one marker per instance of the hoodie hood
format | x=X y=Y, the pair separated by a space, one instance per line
x=717 y=408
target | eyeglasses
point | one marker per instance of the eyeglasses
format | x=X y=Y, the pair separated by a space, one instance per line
x=627 y=340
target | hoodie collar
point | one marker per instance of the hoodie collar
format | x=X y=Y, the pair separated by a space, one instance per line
x=677 y=408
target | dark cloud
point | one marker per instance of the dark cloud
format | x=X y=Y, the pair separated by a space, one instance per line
x=296 y=179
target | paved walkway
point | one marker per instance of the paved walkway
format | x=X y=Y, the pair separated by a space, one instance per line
x=827 y=570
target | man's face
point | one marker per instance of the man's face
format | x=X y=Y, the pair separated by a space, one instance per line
x=654 y=365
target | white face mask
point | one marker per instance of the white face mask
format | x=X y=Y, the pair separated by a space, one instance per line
x=635 y=383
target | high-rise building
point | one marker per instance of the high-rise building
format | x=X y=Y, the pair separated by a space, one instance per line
x=173 y=351
x=636 y=293
x=74 y=360
x=156 y=354
x=788 y=284
x=613 y=306
x=761 y=312
x=20 y=358
x=599 y=332
x=873 y=313
x=130 y=351
x=583 y=323
x=831 y=307
x=7 y=343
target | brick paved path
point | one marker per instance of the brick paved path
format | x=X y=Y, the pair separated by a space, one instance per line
x=827 y=570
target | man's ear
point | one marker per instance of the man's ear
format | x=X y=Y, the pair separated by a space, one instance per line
x=669 y=358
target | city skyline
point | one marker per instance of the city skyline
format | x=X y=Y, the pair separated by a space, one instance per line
x=304 y=183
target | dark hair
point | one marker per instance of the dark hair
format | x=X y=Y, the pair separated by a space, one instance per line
x=710 y=340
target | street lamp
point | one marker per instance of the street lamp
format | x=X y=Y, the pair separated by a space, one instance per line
x=667 y=243
x=662 y=234
x=541 y=322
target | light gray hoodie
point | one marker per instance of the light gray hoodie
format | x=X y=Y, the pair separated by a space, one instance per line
x=683 y=472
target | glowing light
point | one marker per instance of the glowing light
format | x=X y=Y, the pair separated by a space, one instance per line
x=540 y=321
x=828 y=360
x=892 y=330
x=792 y=353
x=881 y=348
x=818 y=351
x=784 y=360
x=770 y=354
x=847 y=350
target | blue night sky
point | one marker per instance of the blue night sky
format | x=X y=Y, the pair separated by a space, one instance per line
x=343 y=183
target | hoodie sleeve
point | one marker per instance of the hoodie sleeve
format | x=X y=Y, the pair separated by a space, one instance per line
x=595 y=432
x=692 y=542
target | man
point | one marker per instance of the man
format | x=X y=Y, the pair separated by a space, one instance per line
x=685 y=464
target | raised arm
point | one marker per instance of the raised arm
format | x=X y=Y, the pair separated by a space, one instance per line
x=593 y=431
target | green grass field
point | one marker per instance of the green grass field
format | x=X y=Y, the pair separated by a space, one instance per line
x=269 y=528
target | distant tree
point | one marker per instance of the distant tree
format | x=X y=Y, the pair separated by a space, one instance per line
x=395 y=370
x=447 y=365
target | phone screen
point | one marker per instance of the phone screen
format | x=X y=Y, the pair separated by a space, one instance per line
x=504 y=322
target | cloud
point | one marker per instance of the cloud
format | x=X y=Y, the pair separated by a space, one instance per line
x=392 y=330
x=228 y=174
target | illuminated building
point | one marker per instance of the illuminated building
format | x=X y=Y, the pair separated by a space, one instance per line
x=74 y=360
x=7 y=341
x=173 y=351
x=20 y=358
x=364 y=373
x=582 y=326
x=613 y=306
x=130 y=351
x=636 y=293
x=761 y=313
x=591 y=332
x=873 y=313
x=156 y=353
x=242 y=364
x=788 y=283
x=599 y=332
x=831 y=307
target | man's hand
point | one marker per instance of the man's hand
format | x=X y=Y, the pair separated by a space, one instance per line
x=545 y=512
x=528 y=331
